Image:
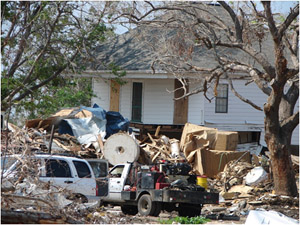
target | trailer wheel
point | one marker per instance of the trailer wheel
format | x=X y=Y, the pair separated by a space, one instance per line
x=146 y=206
x=189 y=210
x=129 y=209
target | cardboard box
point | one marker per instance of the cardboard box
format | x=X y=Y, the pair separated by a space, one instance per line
x=211 y=162
x=191 y=130
x=226 y=140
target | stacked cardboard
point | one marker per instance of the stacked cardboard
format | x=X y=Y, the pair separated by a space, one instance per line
x=226 y=140
x=211 y=162
x=209 y=150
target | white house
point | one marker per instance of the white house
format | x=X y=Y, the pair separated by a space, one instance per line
x=147 y=98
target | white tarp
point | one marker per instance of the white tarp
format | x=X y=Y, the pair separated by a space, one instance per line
x=268 y=217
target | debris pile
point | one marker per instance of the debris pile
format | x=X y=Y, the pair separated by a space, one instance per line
x=160 y=148
x=38 y=140
x=238 y=197
x=236 y=171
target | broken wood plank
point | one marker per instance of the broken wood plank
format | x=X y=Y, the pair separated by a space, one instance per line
x=160 y=149
x=157 y=131
x=156 y=155
x=149 y=135
x=60 y=145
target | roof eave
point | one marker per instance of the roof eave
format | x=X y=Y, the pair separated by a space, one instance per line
x=148 y=74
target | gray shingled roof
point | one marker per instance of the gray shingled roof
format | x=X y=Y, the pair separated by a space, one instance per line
x=130 y=53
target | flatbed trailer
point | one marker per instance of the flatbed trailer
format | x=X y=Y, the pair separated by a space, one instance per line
x=143 y=195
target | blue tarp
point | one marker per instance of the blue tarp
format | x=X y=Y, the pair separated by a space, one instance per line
x=115 y=123
x=101 y=122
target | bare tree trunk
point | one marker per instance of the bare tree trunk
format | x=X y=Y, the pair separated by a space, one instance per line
x=283 y=173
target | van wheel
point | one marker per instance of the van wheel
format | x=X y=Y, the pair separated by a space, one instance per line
x=129 y=209
x=146 y=206
x=79 y=198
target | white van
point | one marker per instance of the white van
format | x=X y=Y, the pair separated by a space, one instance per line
x=72 y=173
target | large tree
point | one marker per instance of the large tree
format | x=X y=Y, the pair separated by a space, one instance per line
x=41 y=40
x=240 y=38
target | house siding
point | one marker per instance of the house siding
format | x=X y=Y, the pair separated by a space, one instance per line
x=101 y=88
x=158 y=105
x=239 y=112
x=241 y=116
x=196 y=107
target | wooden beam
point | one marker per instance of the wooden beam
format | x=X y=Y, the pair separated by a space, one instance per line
x=180 y=106
x=114 y=96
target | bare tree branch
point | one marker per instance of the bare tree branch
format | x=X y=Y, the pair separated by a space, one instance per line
x=241 y=97
x=29 y=74
x=290 y=123
x=293 y=47
x=238 y=28
x=57 y=73
x=271 y=22
x=293 y=15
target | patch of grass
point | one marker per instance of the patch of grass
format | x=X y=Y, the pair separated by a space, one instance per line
x=185 y=220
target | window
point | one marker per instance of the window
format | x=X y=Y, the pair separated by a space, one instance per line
x=57 y=168
x=117 y=171
x=82 y=169
x=222 y=99
x=136 y=114
x=99 y=168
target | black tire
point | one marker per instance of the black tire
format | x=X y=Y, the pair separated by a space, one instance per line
x=157 y=206
x=146 y=207
x=189 y=210
x=129 y=209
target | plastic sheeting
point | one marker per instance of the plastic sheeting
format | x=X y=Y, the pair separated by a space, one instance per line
x=255 y=176
x=89 y=122
x=115 y=123
x=86 y=129
x=268 y=217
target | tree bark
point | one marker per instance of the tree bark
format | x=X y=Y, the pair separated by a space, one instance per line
x=278 y=140
x=283 y=173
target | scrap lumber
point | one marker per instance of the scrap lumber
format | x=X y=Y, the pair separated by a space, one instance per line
x=157 y=131
x=149 y=135
x=158 y=150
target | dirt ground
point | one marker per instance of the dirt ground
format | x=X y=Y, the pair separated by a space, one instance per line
x=162 y=216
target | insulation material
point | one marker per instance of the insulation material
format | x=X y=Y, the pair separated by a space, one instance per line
x=226 y=140
x=211 y=162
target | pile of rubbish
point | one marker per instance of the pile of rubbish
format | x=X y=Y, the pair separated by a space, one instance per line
x=240 y=173
x=80 y=131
